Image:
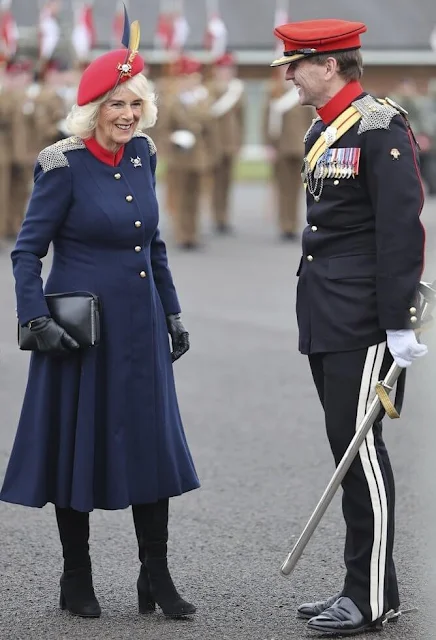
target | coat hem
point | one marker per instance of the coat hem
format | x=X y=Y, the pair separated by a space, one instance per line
x=121 y=507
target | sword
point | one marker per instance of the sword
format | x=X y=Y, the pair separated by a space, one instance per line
x=428 y=297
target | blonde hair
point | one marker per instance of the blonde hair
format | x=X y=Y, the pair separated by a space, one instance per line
x=82 y=121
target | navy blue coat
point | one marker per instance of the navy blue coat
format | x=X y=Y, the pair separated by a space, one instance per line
x=363 y=247
x=99 y=429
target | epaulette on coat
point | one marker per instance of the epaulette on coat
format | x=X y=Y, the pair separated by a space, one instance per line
x=376 y=114
x=53 y=157
x=150 y=142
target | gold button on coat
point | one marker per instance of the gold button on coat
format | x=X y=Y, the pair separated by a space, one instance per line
x=138 y=223
x=310 y=258
x=129 y=198
x=137 y=249
x=143 y=274
x=314 y=228
x=117 y=176
x=412 y=310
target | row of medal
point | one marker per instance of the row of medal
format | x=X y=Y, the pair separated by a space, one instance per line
x=338 y=163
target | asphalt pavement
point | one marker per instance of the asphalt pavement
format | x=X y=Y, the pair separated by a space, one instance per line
x=256 y=432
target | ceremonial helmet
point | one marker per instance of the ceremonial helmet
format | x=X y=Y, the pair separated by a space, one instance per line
x=111 y=69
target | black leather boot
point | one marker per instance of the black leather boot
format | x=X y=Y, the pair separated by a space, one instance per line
x=77 y=594
x=77 y=591
x=155 y=585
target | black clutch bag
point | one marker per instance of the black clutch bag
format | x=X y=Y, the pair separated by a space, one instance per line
x=78 y=312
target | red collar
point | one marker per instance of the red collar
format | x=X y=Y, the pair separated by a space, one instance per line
x=340 y=102
x=102 y=154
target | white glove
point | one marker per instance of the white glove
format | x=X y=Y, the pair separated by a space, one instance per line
x=404 y=346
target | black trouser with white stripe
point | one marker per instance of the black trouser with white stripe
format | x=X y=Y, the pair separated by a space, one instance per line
x=345 y=383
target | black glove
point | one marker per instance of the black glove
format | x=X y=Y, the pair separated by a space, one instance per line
x=179 y=336
x=50 y=337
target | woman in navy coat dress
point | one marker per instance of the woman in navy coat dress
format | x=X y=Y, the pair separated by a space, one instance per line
x=100 y=428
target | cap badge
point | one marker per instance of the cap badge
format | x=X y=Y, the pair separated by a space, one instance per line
x=395 y=154
x=125 y=69
x=137 y=162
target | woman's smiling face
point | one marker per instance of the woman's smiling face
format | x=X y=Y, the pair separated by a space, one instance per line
x=118 y=119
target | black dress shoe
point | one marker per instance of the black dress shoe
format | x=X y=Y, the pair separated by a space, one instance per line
x=311 y=609
x=342 y=618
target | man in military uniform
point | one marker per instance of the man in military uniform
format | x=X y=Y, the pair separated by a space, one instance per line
x=285 y=124
x=165 y=88
x=193 y=141
x=6 y=113
x=38 y=111
x=228 y=108
x=363 y=253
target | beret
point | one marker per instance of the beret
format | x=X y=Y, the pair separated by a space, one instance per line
x=106 y=72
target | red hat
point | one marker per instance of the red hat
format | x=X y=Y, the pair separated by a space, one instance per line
x=185 y=66
x=226 y=60
x=109 y=70
x=106 y=72
x=313 y=37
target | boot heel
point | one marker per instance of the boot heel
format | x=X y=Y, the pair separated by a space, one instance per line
x=62 y=603
x=164 y=592
x=146 y=604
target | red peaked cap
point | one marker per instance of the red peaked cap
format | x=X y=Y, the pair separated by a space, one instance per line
x=106 y=72
x=312 y=37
